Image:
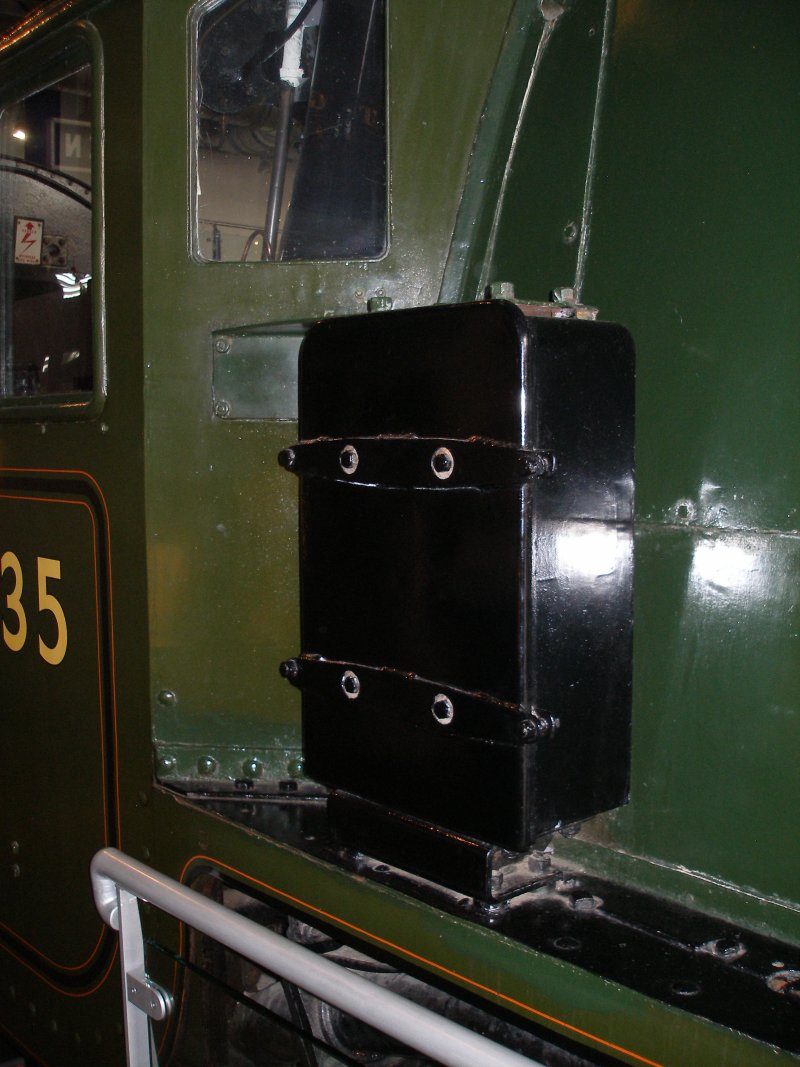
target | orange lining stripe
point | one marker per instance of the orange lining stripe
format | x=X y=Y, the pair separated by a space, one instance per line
x=100 y=702
x=112 y=653
x=44 y=956
x=78 y=503
x=421 y=959
x=21 y=1043
x=113 y=695
x=73 y=994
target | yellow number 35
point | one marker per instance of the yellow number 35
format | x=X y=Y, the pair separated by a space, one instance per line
x=15 y=639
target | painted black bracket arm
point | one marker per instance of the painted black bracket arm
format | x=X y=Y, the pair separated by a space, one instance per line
x=411 y=462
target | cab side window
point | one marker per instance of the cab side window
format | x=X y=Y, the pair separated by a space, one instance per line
x=46 y=220
x=291 y=129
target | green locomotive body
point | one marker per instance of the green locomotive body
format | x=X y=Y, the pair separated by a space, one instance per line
x=180 y=208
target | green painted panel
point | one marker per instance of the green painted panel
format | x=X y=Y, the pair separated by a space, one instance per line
x=693 y=237
x=694 y=247
x=538 y=229
x=54 y=713
x=51 y=793
x=255 y=373
x=222 y=524
x=717 y=674
x=693 y=257
x=716 y=651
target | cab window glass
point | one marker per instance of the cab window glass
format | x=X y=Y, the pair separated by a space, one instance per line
x=46 y=220
x=291 y=130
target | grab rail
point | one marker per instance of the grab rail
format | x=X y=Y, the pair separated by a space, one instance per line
x=120 y=882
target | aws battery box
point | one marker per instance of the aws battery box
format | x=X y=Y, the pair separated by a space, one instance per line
x=466 y=496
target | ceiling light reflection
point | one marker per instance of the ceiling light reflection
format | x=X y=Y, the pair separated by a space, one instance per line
x=72 y=285
x=588 y=550
x=724 y=564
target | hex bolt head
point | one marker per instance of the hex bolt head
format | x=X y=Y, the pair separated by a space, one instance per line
x=531 y=729
x=582 y=901
x=290 y=669
x=541 y=465
x=442 y=463
x=287 y=458
x=442 y=709
x=564 y=295
x=348 y=459
x=501 y=291
x=379 y=302
x=351 y=685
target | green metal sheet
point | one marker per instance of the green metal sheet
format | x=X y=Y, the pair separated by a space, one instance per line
x=694 y=244
x=51 y=794
x=693 y=238
x=221 y=515
x=716 y=677
x=255 y=373
x=538 y=203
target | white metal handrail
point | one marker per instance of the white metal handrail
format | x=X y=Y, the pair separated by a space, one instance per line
x=120 y=882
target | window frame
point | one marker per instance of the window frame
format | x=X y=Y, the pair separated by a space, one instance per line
x=197 y=10
x=56 y=57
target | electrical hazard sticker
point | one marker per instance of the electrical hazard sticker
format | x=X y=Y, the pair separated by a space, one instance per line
x=28 y=241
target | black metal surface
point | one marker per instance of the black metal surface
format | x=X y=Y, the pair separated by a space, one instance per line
x=359 y=694
x=520 y=593
x=339 y=201
x=449 y=859
x=719 y=971
x=417 y=462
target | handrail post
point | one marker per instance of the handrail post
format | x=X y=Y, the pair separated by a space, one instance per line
x=142 y=998
x=439 y=1038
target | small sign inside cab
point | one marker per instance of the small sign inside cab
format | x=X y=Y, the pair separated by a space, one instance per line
x=28 y=241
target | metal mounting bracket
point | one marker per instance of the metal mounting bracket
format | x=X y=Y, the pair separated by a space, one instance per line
x=143 y=999
x=148 y=996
